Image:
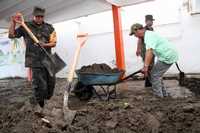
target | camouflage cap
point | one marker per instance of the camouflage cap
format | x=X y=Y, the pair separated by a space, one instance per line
x=134 y=28
x=149 y=17
x=38 y=11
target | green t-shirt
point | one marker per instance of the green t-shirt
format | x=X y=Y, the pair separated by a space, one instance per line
x=162 y=48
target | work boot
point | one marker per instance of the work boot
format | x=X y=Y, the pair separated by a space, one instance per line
x=33 y=101
x=38 y=111
x=165 y=93
x=147 y=82
x=41 y=103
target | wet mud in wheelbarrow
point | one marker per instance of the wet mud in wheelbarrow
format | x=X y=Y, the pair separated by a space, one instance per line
x=89 y=77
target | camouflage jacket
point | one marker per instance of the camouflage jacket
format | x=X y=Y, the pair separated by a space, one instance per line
x=34 y=54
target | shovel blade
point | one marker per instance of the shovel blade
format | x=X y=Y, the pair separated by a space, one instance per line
x=59 y=63
x=49 y=65
x=69 y=115
x=181 y=78
x=53 y=64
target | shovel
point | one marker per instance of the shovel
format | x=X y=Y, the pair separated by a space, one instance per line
x=181 y=77
x=53 y=63
x=70 y=114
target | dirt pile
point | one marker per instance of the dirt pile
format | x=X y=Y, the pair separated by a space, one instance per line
x=98 y=68
x=183 y=117
x=135 y=110
x=193 y=84
x=113 y=117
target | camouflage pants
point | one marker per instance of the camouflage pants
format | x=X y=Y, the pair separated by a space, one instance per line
x=157 y=72
x=42 y=83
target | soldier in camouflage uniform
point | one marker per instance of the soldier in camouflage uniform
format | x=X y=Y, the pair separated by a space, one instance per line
x=141 y=49
x=42 y=83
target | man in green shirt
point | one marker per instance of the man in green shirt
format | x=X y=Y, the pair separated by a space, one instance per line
x=141 y=48
x=162 y=49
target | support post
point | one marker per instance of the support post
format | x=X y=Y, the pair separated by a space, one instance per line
x=119 y=46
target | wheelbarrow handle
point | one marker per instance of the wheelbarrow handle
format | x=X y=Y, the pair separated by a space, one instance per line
x=131 y=75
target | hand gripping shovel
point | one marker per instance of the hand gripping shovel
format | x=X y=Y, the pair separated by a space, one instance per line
x=70 y=114
x=53 y=63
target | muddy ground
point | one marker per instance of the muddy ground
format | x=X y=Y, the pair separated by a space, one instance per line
x=135 y=110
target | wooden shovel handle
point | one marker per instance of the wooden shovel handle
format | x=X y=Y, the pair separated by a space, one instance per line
x=82 y=35
x=81 y=39
x=30 y=33
x=20 y=19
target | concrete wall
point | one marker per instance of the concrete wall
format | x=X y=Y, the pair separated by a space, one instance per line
x=172 y=21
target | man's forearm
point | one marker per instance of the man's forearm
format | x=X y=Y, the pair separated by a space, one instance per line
x=139 y=44
x=52 y=40
x=49 y=45
x=148 y=57
x=139 y=47
x=12 y=30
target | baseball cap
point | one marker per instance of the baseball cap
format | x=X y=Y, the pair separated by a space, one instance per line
x=134 y=28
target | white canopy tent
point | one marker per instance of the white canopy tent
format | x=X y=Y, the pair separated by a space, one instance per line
x=173 y=21
x=58 y=10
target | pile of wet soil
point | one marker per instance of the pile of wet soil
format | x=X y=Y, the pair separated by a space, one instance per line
x=135 y=110
x=193 y=84
x=98 y=68
x=182 y=118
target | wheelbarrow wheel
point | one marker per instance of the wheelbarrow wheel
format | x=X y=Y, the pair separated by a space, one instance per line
x=83 y=92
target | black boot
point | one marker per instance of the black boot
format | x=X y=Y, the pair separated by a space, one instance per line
x=41 y=103
x=32 y=100
x=147 y=82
